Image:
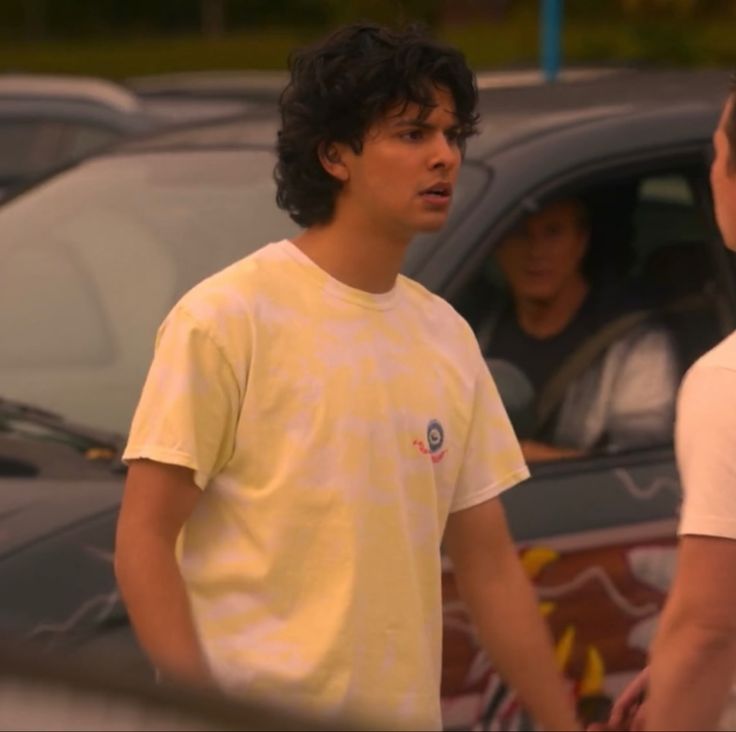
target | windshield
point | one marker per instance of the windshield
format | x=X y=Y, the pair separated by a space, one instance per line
x=94 y=259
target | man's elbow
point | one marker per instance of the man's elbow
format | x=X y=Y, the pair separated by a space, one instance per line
x=137 y=550
x=713 y=637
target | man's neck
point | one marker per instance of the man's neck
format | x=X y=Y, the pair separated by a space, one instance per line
x=355 y=254
x=544 y=319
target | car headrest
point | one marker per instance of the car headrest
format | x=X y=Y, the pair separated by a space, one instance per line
x=677 y=269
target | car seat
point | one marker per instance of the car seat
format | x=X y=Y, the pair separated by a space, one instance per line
x=679 y=277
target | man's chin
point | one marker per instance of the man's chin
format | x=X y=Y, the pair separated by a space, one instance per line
x=429 y=227
x=537 y=298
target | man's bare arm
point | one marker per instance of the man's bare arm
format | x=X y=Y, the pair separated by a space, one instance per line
x=693 y=657
x=506 y=612
x=157 y=501
x=536 y=452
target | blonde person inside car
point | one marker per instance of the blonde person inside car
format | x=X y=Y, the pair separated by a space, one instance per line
x=603 y=373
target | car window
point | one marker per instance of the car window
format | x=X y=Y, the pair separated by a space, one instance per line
x=28 y=147
x=31 y=147
x=603 y=377
x=95 y=258
x=58 y=320
x=666 y=214
x=673 y=265
x=83 y=140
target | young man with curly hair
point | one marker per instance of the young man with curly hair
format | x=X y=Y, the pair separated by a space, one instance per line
x=314 y=425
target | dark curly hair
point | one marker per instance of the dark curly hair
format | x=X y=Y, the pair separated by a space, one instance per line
x=340 y=87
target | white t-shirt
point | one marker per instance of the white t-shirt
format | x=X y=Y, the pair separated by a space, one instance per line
x=705 y=436
x=331 y=431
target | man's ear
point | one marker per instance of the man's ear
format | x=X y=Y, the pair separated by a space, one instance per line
x=332 y=157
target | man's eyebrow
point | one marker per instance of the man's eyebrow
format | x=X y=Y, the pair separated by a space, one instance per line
x=411 y=122
x=421 y=124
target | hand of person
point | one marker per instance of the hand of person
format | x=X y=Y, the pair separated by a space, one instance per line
x=535 y=451
x=628 y=711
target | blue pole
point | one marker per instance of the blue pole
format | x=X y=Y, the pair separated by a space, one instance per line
x=550 y=32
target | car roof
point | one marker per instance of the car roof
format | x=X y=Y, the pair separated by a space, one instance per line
x=629 y=124
x=247 y=131
x=516 y=115
x=254 y=85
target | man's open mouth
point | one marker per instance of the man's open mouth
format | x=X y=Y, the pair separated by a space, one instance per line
x=438 y=192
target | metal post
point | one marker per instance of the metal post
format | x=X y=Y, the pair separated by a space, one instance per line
x=550 y=33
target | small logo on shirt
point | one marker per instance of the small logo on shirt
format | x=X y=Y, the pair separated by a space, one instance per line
x=435 y=440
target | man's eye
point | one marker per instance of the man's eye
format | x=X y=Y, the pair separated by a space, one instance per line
x=413 y=135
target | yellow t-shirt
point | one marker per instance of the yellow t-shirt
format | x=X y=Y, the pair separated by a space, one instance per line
x=331 y=431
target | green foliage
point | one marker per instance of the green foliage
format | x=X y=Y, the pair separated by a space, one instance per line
x=649 y=10
x=90 y=18
x=286 y=13
x=391 y=12
x=87 y=18
x=659 y=40
x=118 y=38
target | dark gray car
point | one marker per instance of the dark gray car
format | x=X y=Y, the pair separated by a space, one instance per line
x=95 y=257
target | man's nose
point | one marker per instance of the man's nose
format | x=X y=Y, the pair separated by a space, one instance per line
x=444 y=153
x=536 y=245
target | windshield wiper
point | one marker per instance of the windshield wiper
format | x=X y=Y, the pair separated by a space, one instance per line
x=35 y=423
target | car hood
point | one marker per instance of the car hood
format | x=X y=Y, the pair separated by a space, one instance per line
x=35 y=509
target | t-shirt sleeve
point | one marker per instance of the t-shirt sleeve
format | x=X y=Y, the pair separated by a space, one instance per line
x=492 y=460
x=642 y=403
x=188 y=410
x=705 y=441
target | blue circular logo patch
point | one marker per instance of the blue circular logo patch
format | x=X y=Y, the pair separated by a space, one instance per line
x=435 y=435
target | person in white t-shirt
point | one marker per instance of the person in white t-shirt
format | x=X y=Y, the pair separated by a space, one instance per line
x=314 y=425
x=693 y=656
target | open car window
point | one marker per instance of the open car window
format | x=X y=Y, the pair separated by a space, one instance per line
x=610 y=385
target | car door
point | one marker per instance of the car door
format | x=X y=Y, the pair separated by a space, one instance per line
x=597 y=534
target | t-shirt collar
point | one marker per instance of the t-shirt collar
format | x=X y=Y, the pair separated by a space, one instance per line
x=336 y=288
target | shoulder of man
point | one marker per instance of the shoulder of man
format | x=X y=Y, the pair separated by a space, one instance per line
x=433 y=305
x=233 y=290
x=223 y=307
x=721 y=356
x=442 y=320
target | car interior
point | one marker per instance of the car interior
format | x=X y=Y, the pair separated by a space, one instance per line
x=651 y=237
